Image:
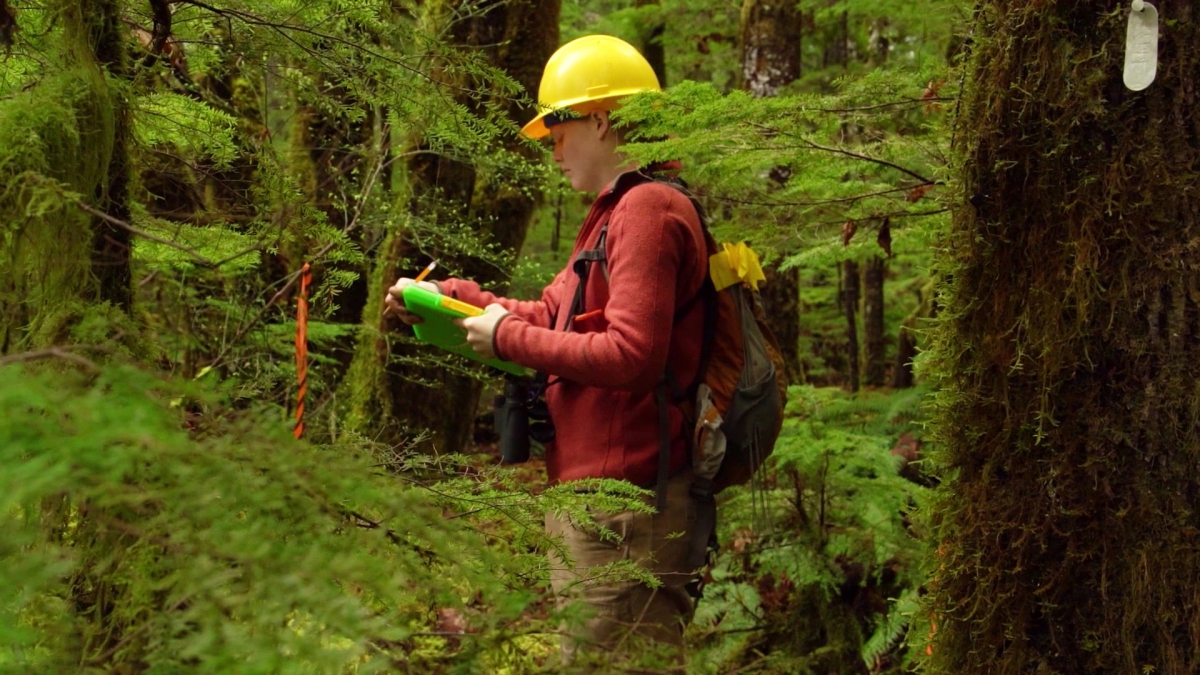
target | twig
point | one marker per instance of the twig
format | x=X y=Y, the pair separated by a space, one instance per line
x=199 y=257
x=819 y=202
x=291 y=281
x=143 y=234
x=907 y=101
x=50 y=353
x=842 y=151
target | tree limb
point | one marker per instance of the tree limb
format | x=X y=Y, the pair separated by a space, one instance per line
x=196 y=255
x=51 y=353
x=843 y=151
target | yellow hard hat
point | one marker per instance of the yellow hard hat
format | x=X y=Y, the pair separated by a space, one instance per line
x=587 y=74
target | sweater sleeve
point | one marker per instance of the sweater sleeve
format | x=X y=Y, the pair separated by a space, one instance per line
x=647 y=239
x=535 y=312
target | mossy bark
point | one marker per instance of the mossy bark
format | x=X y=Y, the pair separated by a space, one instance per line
x=65 y=273
x=387 y=397
x=64 y=134
x=1069 y=406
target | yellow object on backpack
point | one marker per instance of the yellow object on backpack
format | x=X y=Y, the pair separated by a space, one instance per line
x=736 y=263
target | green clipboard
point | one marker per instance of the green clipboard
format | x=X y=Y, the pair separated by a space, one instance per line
x=439 y=311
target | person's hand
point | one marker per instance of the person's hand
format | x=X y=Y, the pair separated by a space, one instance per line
x=394 y=303
x=481 y=330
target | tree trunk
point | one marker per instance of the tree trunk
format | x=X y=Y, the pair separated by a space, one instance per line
x=69 y=127
x=1069 y=520
x=390 y=401
x=906 y=350
x=850 y=308
x=875 y=368
x=112 y=244
x=652 y=46
x=770 y=38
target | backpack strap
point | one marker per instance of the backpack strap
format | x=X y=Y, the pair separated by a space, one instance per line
x=581 y=266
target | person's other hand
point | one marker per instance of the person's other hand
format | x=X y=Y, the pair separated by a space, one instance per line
x=394 y=303
x=481 y=330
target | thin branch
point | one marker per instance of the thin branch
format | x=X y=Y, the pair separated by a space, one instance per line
x=291 y=281
x=143 y=234
x=51 y=353
x=889 y=104
x=200 y=258
x=819 y=202
x=842 y=151
x=253 y=20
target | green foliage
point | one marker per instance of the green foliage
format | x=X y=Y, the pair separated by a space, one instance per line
x=822 y=566
x=210 y=541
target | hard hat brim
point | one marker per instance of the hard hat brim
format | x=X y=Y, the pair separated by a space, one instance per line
x=536 y=128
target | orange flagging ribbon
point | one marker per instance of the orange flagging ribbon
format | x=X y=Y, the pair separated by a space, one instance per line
x=302 y=348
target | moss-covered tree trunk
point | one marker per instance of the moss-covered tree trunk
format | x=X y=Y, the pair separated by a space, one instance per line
x=112 y=244
x=770 y=40
x=388 y=398
x=67 y=133
x=1069 y=412
x=874 y=344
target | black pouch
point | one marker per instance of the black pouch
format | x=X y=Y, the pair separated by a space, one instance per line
x=511 y=417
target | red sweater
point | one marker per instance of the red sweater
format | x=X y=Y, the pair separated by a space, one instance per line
x=603 y=373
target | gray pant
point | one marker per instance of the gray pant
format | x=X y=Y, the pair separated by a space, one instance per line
x=625 y=612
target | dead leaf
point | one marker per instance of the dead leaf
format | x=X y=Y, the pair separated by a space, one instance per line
x=931 y=94
x=915 y=194
x=848 y=229
x=884 y=238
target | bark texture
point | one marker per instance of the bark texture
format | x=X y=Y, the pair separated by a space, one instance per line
x=1069 y=407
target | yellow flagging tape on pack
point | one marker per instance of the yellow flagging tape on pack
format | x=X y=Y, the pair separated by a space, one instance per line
x=737 y=263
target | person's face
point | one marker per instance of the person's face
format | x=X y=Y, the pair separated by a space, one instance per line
x=585 y=150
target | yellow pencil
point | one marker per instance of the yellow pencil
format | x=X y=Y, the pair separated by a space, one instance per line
x=425 y=272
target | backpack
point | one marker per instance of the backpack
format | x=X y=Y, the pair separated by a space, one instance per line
x=735 y=404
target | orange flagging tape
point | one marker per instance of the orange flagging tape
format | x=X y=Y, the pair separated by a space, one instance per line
x=302 y=348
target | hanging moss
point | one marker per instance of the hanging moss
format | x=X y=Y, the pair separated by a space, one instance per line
x=56 y=143
x=1069 y=412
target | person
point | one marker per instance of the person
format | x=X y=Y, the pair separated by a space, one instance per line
x=607 y=345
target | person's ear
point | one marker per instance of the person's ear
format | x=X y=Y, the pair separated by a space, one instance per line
x=602 y=124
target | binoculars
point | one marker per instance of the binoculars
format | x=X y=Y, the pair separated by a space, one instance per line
x=520 y=415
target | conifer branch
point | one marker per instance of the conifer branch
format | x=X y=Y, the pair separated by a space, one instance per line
x=196 y=255
x=890 y=104
x=817 y=202
x=284 y=29
x=806 y=143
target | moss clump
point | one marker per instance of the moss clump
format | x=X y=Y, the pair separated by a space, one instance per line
x=1069 y=410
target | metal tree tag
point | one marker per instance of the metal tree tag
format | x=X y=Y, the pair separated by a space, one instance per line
x=1141 y=46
